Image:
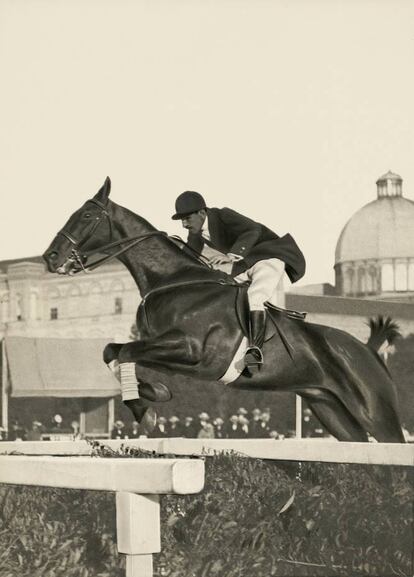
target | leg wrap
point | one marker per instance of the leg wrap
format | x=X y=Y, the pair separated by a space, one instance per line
x=129 y=383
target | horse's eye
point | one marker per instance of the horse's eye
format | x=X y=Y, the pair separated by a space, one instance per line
x=87 y=215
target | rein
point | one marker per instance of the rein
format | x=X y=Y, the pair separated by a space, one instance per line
x=77 y=257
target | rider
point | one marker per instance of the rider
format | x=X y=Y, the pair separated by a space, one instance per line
x=247 y=250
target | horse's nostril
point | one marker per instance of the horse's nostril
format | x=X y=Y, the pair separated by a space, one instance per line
x=53 y=255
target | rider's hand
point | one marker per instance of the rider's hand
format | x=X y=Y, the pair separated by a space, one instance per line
x=224 y=259
x=220 y=259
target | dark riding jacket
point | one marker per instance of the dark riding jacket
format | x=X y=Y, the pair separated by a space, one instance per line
x=231 y=232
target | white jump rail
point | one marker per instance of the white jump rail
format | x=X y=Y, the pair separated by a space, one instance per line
x=316 y=450
x=136 y=482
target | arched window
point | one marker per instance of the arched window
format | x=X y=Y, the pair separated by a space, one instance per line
x=348 y=281
x=387 y=277
x=401 y=276
x=18 y=306
x=34 y=299
x=362 y=287
x=74 y=300
x=53 y=300
x=5 y=308
x=95 y=300
x=411 y=276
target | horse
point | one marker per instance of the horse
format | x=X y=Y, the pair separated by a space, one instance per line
x=191 y=322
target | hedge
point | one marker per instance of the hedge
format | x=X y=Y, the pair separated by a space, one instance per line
x=254 y=519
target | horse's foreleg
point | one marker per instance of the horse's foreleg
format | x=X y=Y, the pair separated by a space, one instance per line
x=125 y=361
x=170 y=349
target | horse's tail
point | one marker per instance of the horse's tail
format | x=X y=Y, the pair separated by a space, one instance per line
x=382 y=329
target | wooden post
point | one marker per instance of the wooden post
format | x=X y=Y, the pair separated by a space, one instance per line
x=298 y=416
x=111 y=414
x=4 y=388
x=138 y=531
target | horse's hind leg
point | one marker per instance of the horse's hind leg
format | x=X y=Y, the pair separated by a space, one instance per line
x=334 y=416
x=385 y=425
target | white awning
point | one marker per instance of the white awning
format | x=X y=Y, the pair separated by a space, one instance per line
x=43 y=367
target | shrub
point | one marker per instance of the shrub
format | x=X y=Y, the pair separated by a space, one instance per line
x=254 y=519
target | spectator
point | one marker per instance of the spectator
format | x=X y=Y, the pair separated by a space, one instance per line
x=160 y=429
x=219 y=431
x=189 y=428
x=56 y=424
x=269 y=418
x=274 y=435
x=76 y=430
x=233 y=430
x=118 y=431
x=206 y=431
x=175 y=429
x=134 y=433
x=255 y=423
x=35 y=433
x=3 y=434
x=202 y=419
x=17 y=432
x=243 y=427
x=264 y=428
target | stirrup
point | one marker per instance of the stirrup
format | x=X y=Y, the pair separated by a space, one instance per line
x=253 y=356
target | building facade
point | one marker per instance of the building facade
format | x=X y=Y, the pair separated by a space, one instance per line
x=36 y=303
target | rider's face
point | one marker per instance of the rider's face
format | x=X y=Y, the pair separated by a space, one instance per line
x=194 y=222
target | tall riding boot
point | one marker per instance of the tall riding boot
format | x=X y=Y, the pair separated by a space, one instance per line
x=254 y=355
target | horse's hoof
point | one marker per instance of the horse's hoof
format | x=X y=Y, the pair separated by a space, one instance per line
x=148 y=422
x=111 y=352
x=157 y=392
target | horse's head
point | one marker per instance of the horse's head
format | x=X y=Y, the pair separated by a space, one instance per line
x=86 y=230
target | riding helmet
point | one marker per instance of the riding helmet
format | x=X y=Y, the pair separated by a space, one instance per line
x=188 y=202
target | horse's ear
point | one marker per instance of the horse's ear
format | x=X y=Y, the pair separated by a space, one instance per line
x=103 y=193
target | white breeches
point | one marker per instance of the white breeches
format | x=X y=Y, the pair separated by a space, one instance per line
x=264 y=277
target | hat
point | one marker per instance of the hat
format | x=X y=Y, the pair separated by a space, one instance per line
x=189 y=419
x=256 y=411
x=119 y=424
x=57 y=418
x=173 y=419
x=188 y=202
x=203 y=416
x=234 y=419
x=242 y=411
x=162 y=420
x=218 y=421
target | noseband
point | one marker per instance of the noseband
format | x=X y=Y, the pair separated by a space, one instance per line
x=78 y=258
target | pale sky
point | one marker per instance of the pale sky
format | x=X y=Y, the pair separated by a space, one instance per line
x=286 y=111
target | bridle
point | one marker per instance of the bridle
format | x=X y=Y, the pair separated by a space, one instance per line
x=78 y=257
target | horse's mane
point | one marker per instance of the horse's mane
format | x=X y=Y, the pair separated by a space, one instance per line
x=176 y=243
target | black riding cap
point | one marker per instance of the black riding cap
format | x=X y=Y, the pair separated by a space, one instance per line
x=188 y=202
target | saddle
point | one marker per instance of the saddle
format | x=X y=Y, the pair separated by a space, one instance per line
x=274 y=318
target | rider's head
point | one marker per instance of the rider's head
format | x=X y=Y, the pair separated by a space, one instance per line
x=191 y=209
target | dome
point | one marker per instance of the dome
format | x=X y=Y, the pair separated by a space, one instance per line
x=380 y=230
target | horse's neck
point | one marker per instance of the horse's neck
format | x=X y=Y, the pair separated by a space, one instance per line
x=154 y=261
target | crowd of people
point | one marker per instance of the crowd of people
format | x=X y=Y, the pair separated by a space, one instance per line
x=38 y=431
x=258 y=424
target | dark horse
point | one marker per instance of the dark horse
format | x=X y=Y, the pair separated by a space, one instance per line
x=189 y=323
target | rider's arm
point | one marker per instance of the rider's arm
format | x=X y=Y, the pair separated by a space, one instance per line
x=246 y=231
